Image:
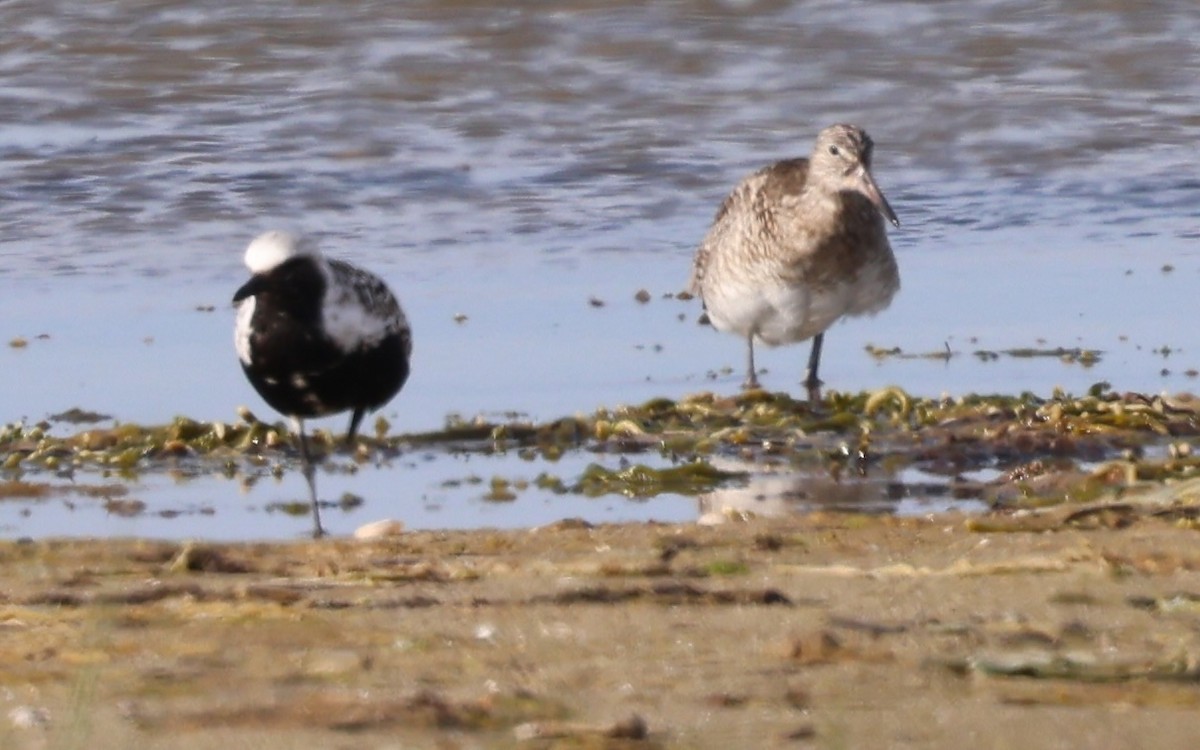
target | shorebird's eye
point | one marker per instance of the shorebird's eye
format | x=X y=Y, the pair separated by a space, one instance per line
x=834 y=150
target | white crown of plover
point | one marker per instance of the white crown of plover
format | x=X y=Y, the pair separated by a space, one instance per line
x=317 y=336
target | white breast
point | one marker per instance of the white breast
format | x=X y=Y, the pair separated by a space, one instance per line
x=241 y=331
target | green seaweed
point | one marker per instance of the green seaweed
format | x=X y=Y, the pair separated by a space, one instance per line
x=641 y=482
x=844 y=430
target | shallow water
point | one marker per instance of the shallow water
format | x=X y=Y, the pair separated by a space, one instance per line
x=510 y=164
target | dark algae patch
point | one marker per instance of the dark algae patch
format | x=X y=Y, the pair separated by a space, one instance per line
x=1008 y=451
x=1066 y=355
x=643 y=482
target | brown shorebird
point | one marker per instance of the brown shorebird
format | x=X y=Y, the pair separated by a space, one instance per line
x=318 y=336
x=798 y=245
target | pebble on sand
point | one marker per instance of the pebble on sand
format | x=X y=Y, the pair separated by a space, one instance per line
x=383 y=529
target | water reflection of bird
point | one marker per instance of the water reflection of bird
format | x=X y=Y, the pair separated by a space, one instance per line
x=798 y=245
x=317 y=336
x=774 y=491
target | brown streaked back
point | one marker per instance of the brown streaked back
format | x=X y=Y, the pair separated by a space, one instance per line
x=757 y=193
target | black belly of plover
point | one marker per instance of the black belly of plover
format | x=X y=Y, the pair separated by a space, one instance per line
x=317 y=336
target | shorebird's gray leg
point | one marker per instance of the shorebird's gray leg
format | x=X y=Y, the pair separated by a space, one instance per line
x=355 y=418
x=811 y=381
x=751 y=381
x=310 y=474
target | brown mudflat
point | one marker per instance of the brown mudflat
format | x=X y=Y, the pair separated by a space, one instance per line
x=825 y=631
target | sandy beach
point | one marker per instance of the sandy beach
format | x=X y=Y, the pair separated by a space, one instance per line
x=819 y=631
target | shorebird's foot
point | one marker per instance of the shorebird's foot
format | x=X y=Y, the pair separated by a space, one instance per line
x=310 y=476
x=318 y=530
x=813 y=386
x=751 y=383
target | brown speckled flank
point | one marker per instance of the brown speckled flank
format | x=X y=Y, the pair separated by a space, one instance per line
x=796 y=246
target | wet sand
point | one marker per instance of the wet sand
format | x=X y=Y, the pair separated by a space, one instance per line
x=812 y=631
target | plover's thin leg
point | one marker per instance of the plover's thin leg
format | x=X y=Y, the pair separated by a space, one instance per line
x=310 y=474
x=751 y=374
x=355 y=418
x=811 y=381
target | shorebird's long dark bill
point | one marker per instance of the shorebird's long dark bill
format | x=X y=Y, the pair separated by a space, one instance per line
x=872 y=191
x=249 y=289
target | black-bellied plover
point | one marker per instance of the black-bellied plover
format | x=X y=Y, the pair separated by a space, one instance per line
x=798 y=245
x=317 y=336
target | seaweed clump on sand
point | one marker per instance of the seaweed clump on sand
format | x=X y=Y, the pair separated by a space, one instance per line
x=1097 y=440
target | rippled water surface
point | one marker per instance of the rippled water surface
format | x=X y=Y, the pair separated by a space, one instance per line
x=508 y=164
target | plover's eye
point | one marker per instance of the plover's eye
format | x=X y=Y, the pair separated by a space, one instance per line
x=834 y=150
